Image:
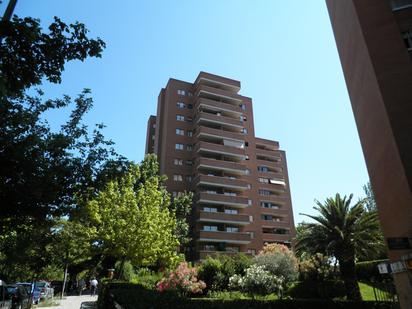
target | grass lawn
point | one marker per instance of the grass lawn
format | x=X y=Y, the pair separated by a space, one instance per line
x=367 y=291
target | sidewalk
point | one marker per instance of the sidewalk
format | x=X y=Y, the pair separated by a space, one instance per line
x=76 y=302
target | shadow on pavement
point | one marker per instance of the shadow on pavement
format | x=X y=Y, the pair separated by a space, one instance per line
x=88 y=305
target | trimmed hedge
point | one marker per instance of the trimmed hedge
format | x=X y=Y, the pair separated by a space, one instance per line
x=132 y=296
x=368 y=271
x=327 y=289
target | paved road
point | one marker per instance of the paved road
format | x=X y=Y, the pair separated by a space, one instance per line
x=76 y=302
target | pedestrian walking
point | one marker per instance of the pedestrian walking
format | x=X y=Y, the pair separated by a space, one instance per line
x=93 y=286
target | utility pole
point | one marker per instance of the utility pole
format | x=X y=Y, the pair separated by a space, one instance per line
x=9 y=10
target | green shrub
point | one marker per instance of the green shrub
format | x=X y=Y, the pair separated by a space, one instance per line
x=132 y=296
x=316 y=267
x=216 y=271
x=147 y=278
x=281 y=264
x=256 y=281
x=327 y=289
x=368 y=271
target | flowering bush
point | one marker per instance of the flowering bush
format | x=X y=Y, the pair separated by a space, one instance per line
x=183 y=280
x=256 y=281
x=279 y=261
x=316 y=267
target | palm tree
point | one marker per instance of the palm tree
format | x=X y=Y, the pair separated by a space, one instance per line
x=345 y=232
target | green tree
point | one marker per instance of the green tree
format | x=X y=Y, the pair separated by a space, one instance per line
x=343 y=231
x=181 y=206
x=44 y=171
x=133 y=220
x=370 y=202
x=72 y=244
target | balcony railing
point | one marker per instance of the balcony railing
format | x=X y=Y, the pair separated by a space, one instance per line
x=203 y=131
x=269 y=153
x=221 y=217
x=220 y=165
x=203 y=117
x=226 y=237
x=222 y=199
x=203 y=254
x=220 y=149
x=276 y=237
x=222 y=95
x=218 y=105
x=222 y=182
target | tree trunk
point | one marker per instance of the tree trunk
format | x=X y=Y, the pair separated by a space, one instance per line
x=348 y=273
x=64 y=279
x=120 y=274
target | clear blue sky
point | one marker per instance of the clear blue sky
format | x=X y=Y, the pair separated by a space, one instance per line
x=283 y=52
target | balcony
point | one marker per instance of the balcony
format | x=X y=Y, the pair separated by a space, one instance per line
x=203 y=254
x=229 y=122
x=276 y=164
x=275 y=224
x=221 y=182
x=268 y=153
x=220 y=165
x=221 y=217
x=226 y=237
x=276 y=237
x=207 y=132
x=228 y=97
x=238 y=153
x=218 y=106
x=277 y=199
x=218 y=82
x=222 y=199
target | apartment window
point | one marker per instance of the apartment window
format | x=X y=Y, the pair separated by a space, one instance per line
x=243 y=106
x=247 y=158
x=190 y=94
x=249 y=202
x=189 y=162
x=209 y=248
x=179 y=146
x=189 y=119
x=263 y=180
x=189 y=178
x=247 y=171
x=180 y=132
x=232 y=229
x=246 y=144
x=232 y=249
x=181 y=92
x=154 y=126
x=174 y=193
x=231 y=211
x=180 y=105
x=264 y=192
x=189 y=133
x=269 y=205
x=177 y=177
x=263 y=169
x=209 y=209
x=189 y=147
x=230 y=193
x=266 y=217
x=251 y=251
x=244 y=130
x=211 y=192
x=190 y=106
x=178 y=161
x=210 y=228
x=250 y=218
x=180 y=118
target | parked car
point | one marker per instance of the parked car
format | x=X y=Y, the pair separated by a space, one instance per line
x=35 y=294
x=46 y=291
x=5 y=301
x=20 y=297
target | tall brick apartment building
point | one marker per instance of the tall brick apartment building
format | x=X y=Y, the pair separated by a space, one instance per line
x=205 y=141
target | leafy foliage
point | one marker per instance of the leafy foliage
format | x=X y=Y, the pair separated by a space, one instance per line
x=316 y=267
x=183 y=280
x=216 y=271
x=342 y=231
x=133 y=220
x=279 y=261
x=256 y=281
